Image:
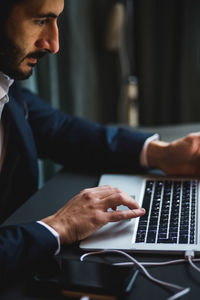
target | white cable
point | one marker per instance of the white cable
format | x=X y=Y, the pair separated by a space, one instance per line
x=189 y=256
x=192 y=264
x=179 y=294
x=196 y=259
x=161 y=263
x=152 y=264
x=182 y=290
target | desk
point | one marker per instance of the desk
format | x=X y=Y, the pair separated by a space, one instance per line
x=63 y=187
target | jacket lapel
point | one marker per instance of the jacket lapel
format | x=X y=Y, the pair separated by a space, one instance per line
x=19 y=175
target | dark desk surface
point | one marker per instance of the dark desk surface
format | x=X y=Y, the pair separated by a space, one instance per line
x=63 y=187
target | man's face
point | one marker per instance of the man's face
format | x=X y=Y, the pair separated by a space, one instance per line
x=30 y=32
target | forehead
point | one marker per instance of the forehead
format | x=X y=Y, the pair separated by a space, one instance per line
x=37 y=7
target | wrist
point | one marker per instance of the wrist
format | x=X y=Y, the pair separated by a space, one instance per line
x=50 y=221
x=156 y=154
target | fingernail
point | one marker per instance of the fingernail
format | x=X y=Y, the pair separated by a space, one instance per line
x=142 y=210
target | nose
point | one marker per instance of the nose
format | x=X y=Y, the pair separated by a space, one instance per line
x=49 y=40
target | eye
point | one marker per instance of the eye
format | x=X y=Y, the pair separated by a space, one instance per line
x=41 y=22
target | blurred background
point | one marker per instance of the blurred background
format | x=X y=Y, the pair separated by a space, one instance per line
x=131 y=62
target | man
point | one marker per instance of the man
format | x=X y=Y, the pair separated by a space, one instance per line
x=30 y=128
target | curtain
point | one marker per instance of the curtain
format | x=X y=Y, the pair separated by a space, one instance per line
x=167 y=45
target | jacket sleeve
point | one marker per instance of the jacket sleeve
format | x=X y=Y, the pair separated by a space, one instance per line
x=22 y=246
x=76 y=142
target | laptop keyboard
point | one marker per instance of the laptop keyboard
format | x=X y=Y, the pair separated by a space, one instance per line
x=171 y=211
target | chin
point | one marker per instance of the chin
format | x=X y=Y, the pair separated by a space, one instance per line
x=20 y=75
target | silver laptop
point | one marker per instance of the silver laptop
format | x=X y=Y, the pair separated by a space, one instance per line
x=171 y=223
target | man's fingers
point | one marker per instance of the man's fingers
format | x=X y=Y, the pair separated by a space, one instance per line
x=120 y=198
x=100 y=192
x=114 y=216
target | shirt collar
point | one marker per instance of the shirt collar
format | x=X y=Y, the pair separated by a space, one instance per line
x=5 y=83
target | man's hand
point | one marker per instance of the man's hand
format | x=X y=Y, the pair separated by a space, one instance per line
x=88 y=211
x=180 y=157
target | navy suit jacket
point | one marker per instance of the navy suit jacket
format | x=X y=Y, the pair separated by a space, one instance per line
x=36 y=130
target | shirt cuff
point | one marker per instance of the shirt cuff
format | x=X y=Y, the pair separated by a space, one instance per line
x=143 y=155
x=54 y=233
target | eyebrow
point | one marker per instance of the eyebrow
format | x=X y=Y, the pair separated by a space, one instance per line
x=47 y=15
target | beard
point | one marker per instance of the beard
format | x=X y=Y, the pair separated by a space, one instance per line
x=12 y=56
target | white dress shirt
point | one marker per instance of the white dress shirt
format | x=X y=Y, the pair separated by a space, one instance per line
x=143 y=155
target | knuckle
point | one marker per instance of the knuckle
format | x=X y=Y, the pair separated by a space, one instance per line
x=108 y=186
x=189 y=138
x=120 y=197
x=134 y=213
x=192 y=138
x=117 y=190
x=87 y=194
x=120 y=215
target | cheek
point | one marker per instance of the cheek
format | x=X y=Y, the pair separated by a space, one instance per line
x=27 y=43
x=24 y=35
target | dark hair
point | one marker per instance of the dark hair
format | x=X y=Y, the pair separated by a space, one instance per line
x=6 y=9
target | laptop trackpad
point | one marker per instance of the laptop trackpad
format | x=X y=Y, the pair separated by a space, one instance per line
x=114 y=235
